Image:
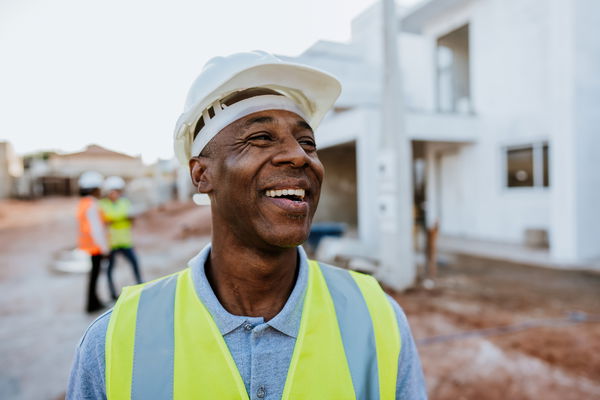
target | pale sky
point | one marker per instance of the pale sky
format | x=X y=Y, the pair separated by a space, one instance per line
x=115 y=73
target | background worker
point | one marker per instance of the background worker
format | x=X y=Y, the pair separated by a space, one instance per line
x=92 y=234
x=252 y=317
x=116 y=211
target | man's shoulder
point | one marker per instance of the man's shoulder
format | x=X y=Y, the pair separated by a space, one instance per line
x=400 y=315
x=94 y=337
x=87 y=373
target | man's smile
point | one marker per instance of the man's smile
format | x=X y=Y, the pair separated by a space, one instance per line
x=292 y=199
x=288 y=193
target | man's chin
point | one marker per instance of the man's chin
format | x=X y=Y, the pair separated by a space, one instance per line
x=287 y=239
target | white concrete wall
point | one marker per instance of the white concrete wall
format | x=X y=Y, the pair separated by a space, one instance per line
x=534 y=78
x=508 y=58
x=586 y=75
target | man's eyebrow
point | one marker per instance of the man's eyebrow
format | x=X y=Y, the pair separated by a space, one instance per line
x=258 y=120
x=303 y=124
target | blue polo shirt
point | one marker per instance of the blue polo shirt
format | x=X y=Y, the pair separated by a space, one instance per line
x=261 y=350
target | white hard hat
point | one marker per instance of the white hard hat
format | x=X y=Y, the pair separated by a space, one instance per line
x=114 y=183
x=312 y=91
x=90 y=180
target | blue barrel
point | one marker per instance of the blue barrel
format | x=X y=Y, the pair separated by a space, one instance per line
x=321 y=229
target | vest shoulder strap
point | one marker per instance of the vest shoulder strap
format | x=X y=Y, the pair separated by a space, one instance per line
x=365 y=315
x=125 y=335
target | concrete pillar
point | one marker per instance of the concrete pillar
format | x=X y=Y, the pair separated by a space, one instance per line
x=395 y=199
x=563 y=237
x=575 y=165
x=586 y=119
x=366 y=179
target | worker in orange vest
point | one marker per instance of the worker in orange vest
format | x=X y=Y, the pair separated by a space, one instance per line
x=92 y=234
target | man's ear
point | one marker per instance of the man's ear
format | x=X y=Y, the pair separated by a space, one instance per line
x=200 y=173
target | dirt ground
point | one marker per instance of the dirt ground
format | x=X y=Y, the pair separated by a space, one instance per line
x=487 y=331
x=41 y=311
x=491 y=330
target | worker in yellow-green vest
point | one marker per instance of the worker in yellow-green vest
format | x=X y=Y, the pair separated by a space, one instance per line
x=250 y=316
x=116 y=211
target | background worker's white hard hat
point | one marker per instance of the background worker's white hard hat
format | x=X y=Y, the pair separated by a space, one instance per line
x=90 y=180
x=313 y=90
x=114 y=183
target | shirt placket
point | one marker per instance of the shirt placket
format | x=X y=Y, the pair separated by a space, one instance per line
x=260 y=376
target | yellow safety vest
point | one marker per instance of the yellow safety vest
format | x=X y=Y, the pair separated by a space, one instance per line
x=116 y=214
x=162 y=343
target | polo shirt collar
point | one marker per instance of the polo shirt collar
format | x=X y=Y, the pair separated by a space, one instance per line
x=286 y=321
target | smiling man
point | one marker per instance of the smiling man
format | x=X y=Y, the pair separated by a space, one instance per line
x=251 y=316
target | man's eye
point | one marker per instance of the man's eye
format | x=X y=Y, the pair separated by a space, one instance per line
x=308 y=142
x=260 y=136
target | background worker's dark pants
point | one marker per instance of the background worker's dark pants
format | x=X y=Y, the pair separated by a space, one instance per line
x=93 y=303
x=129 y=254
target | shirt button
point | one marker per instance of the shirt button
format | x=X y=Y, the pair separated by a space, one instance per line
x=248 y=326
x=260 y=393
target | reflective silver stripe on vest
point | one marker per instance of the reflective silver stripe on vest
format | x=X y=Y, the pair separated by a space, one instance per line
x=356 y=329
x=154 y=338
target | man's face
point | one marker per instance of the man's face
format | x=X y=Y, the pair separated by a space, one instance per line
x=114 y=195
x=252 y=164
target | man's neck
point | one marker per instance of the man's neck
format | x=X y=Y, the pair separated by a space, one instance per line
x=250 y=282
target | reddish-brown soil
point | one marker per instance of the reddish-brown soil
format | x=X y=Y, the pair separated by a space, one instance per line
x=41 y=318
x=550 y=356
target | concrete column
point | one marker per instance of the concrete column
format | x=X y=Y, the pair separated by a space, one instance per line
x=563 y=235
x=395 y=199
x=366 y=179
x=586 y=119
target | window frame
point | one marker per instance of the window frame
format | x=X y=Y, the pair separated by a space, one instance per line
x=537 y=148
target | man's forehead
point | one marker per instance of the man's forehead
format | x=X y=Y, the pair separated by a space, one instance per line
x=272 y=117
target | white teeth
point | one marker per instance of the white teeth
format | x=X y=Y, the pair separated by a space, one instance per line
x=286 y=192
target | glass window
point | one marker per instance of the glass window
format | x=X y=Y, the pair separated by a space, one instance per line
x=453 y=76
x=528 y=166
x=520 y=167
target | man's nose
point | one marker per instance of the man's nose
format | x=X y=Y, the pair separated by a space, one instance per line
x=292 y=153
